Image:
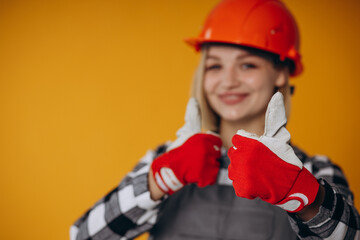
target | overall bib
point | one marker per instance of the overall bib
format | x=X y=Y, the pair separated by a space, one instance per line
x=215 y=212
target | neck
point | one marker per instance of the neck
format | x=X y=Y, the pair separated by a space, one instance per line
x=229 y=128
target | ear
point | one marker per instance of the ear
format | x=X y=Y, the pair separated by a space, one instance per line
x=282 y=77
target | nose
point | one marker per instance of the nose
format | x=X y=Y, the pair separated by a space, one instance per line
x=230 y=78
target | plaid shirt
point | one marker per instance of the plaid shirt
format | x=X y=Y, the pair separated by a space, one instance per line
x=128 y=211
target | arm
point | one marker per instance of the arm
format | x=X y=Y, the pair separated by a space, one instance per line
x=130 y=209
x=335 y=216
x=267 y=167
x=127 y=211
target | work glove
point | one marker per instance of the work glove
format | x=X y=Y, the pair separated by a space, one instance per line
x=191 y=158
x=267 y=167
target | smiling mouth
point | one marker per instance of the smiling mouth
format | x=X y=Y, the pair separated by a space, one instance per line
x=232 y=98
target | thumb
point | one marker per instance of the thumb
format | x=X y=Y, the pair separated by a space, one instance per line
x=275 y=117
x=192 y=119
x=192 y=124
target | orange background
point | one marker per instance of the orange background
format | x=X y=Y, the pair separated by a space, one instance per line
x=87 y=86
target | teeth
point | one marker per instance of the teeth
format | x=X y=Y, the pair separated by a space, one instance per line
x=232 y=97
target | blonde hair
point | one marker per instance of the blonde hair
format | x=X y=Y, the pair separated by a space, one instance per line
x=210 y=120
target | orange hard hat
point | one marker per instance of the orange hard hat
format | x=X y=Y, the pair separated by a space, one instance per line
x=263 y=24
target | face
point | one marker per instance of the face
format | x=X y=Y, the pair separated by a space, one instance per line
x=238 y=84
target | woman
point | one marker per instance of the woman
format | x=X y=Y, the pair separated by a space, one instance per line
x=262 y=188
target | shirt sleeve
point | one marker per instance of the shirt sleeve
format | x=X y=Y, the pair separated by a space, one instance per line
x=124 y=213
x=337 y=217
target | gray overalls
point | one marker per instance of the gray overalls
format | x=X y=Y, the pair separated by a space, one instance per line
x=215 y=212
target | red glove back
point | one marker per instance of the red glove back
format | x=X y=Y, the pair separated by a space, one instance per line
x=191 y=158
x=196 y=161
x=267 y=167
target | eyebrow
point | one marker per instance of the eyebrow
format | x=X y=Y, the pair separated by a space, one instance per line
x=237 y=58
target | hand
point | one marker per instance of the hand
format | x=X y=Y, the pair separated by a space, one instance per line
x=267 y=167
x=191 y=158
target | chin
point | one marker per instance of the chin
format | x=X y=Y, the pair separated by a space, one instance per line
x=232 y=117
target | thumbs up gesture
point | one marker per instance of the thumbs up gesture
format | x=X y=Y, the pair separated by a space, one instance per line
x=191 y=158
x=267 y=167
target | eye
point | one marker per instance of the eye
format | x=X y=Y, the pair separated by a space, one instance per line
x=212 y=67
x=247 y=66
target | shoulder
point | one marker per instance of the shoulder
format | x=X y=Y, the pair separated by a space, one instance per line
x=160 y=149
x=322 y=167
x=308 y=159
x=316 y=164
